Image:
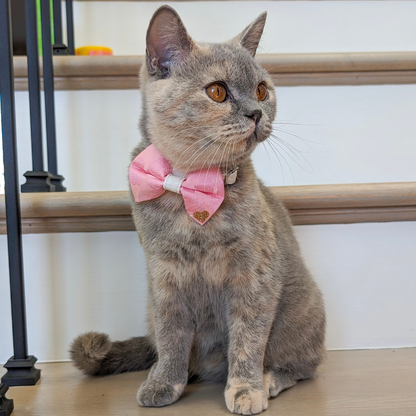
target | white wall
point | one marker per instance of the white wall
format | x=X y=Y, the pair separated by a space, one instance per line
x=97 y=281
x=333 y=134
x=79 y=282
x=312 y=26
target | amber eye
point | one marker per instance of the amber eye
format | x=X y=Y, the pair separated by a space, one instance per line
x=261 y=92
x=217 y=92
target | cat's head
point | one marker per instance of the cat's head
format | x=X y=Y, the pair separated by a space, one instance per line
x=204 y=104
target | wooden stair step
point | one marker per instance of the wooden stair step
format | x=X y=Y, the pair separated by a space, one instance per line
x=121 y=72
x=312 y=204
x=349 y=383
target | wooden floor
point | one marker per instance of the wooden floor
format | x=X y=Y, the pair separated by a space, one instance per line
x=366 y=382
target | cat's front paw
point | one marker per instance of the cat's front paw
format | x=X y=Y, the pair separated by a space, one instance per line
x=153 y=393
x=243 y=399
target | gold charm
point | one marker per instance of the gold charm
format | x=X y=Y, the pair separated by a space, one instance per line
x=201 y=216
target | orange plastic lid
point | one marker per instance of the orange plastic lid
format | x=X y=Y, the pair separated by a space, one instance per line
x=93 y=50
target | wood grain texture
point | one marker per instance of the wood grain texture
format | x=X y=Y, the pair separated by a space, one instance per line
x=236 y=0
x=121 y=72
x=362 y=195
x=316 y=204
x=353 y=215
x=349 y=383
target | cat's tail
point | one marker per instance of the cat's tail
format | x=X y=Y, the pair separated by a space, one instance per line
x=94 y=354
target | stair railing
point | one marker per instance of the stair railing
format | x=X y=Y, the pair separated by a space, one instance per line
x=38 y=179
x=59 y=48
x=20 y=367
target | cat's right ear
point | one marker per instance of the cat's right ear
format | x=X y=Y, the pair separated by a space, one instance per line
x=250 y=37
x=167 y=41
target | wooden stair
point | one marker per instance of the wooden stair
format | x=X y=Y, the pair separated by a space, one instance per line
x=121 y=72
x=349 y=383
x=316 y=204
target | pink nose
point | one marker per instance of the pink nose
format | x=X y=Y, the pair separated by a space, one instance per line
x=255 y=115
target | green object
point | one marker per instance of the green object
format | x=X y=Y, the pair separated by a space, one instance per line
x=39 y=25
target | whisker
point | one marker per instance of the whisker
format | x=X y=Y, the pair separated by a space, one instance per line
x=212 y=160
x=306 y=141
x=189 y=128
x=292 y=149
x=292 y=145
x=209 y=145
x=289 y=123
x=233 y=154
x=276 y=151
x=283 y=149
x=226 y=162
x=289 y=146
x=282 y=154
x=199 y=151
x=267 y=151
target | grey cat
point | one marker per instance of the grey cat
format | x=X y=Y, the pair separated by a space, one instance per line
x=231 y=300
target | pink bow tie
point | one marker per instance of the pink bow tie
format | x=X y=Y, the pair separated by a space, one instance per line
x=151 y=174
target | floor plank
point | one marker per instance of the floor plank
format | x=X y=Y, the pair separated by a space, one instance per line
x=366 y=382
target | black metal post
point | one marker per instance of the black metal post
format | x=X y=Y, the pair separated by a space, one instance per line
x=18 y=27
x=70 y=26
x=58 y=47
x=21 y=369
x=37 y=180
x=57 y=21
x=6 y=405
x=56 y=179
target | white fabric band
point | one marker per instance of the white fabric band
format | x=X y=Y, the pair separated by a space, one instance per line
x=173 y=182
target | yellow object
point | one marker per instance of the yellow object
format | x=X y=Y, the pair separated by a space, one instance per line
x=93 y=50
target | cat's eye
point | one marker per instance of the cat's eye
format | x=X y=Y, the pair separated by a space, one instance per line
x=261 y=92
x=217 y=92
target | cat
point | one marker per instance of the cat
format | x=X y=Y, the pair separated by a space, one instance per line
x=230 y=300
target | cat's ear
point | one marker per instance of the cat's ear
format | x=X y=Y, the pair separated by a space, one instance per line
x=167 y=41
x=249 y=38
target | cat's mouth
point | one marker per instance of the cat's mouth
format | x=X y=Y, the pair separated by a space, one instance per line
x=251 y=140
x=255 y=137
x=246 y=143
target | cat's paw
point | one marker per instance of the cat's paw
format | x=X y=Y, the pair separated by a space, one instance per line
x=243 y=399
x=275 y=381
x=154 y=393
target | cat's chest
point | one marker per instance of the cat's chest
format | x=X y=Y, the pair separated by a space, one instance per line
x=195 y=258
x=165 y=222
x=169 y=235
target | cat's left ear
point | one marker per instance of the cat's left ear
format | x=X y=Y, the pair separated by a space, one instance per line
x=167 y=41
x=249 y=38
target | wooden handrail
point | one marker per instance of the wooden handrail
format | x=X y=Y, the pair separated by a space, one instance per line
x=317 y=204
x=120 y=72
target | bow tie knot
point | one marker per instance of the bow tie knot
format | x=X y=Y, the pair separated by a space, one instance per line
x=150 y=174
x=173 y=182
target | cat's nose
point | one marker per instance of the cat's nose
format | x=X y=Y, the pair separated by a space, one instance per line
x=255 y=115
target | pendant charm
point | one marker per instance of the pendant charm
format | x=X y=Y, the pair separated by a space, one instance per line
x=201 y=216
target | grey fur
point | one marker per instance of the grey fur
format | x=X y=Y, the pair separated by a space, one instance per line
x=230 y=301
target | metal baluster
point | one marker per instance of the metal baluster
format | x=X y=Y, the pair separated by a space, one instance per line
x=6 y=405
x=70 y=26
x=21 y=369
x=37 y=180
x=56 y=179
x=57 y=21
x=58 y=47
